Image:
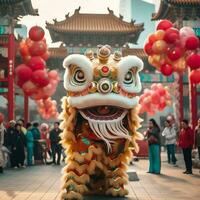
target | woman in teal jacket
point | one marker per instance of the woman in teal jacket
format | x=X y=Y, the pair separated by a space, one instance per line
x=30 y=144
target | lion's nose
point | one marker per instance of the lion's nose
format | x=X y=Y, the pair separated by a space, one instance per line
x=104 y=86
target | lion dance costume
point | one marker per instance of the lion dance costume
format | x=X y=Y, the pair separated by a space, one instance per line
x=99 y=122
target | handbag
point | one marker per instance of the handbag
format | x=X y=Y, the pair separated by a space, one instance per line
x=152 y=140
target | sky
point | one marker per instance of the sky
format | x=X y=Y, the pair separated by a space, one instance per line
x=51 y=9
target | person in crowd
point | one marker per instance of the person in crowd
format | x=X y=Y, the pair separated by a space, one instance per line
x=29 y=144
x=55 y=143
x=2 y=133
x=197 y=137
x=18 y=147
x=44 y=129
x=186 y=142
x=10 y=132
x=21 y=123
x=153 y=137
x=170 y=140
x=35 y=130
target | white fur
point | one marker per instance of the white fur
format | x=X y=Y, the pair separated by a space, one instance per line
x=124 y=66
x=84 y=63
x=97 y=99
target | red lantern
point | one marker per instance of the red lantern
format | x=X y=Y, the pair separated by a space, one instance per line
x=1 y=117
x=195 y=76
x=23 y=72
x=193 y=61
x=166 y=69
x=38 y=48
x=174 y=54
x=36 y=33
x=36 y=63
x=148 y=49
x=192 y=43
x=171 y=35
x=164 y=25
x=40 y=78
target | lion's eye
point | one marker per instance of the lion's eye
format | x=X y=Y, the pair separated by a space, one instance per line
x=78 y=77
x=129 y=77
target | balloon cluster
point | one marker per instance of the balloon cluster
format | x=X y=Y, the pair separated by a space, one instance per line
x=32 y=76
x=47 y=108
x=156 y=98
x=172 y=50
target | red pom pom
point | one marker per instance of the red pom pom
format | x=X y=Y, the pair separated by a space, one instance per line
x=36 y=63
x=174 y=54
x=193 y=61
x=192 y=43
x=164 y=25
x=40 y=78
x=195 y=76
x=166 y=69
x=36 y=33
x=171 y=35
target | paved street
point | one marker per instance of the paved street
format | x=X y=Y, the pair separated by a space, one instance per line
x=42 y=183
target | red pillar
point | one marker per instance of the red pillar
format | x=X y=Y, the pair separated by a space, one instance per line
x=193 y=103
x=26 y=111
x=181 y=97
x=11 y=63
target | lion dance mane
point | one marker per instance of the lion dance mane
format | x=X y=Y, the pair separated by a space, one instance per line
x=100 y=122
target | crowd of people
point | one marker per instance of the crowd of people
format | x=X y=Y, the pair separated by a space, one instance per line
x=183 y=137
x=22 y=146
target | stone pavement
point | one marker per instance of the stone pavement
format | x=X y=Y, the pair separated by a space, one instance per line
x=43 y=183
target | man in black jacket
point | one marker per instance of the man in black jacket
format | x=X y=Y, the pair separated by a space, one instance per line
x=55 y=143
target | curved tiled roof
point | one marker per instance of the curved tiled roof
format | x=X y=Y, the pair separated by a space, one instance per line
x=17 y=8
x=133 y=51
x=80 y=22
x=171 y=9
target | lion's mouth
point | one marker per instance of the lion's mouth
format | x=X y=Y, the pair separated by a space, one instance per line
x=103 y=113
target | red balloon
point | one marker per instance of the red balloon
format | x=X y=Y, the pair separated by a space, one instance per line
x=23 y=49
x=38 y=48
x=155 y=98
x=166 y=69
x=192 y=43
x=171 y=35
x=193 y=61
x=195 y=76
x=40 y=78
x=174 y=54
x=1 y=117
x=26 y=58
x=148 y=49
x=29 y=42
x=164 y=25
x=36 y=63
x=152 y=38
x=23 y=72
x=36 y=33
x=29 y=88
x=45 y=56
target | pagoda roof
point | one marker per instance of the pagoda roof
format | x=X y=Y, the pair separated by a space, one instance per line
x=90 y=23
x=57 y=52
x=134 y=51
x=16 y=8
x=173 y=9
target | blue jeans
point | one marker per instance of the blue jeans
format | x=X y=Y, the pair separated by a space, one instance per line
x=154 y=158
x=171 y=153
